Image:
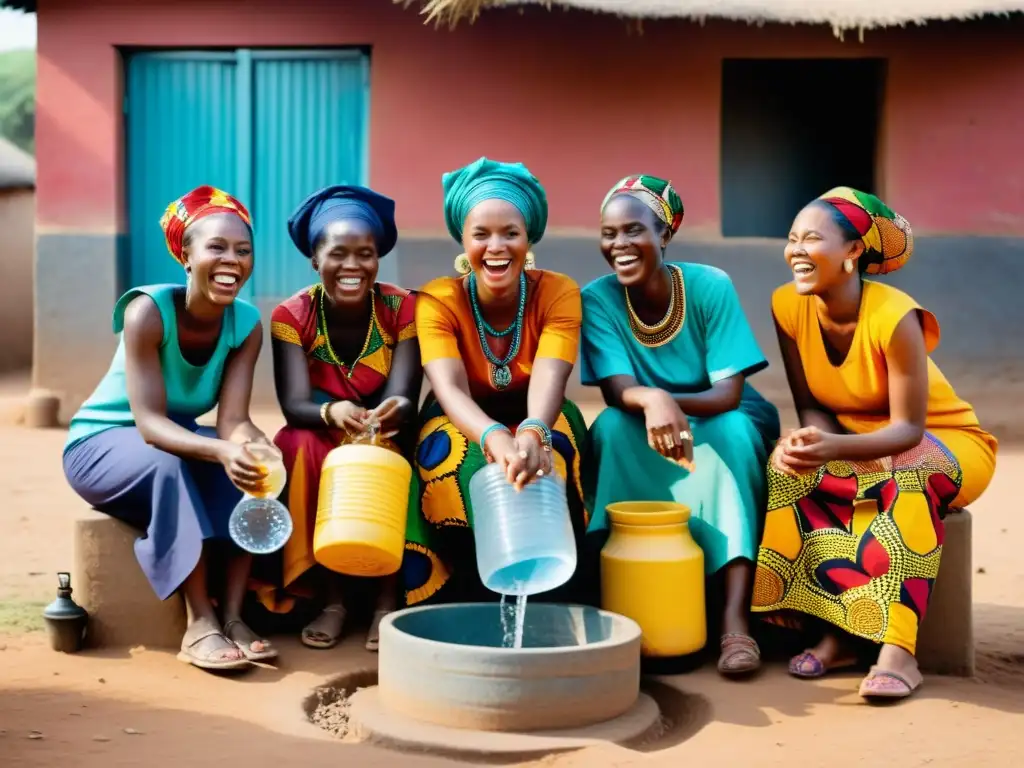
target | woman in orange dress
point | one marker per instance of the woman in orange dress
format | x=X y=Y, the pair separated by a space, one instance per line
x=344 y=350
x=497 y=345
x=858 y=494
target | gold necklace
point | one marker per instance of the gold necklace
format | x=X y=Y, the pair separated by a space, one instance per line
x=669 y=326
x=366 y=344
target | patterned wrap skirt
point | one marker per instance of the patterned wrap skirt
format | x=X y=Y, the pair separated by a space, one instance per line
x=858 y=544
x=440 y=558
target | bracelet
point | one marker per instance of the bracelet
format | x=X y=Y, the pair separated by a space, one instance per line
x=495 y=427
x=323 y=414
x=538 y=426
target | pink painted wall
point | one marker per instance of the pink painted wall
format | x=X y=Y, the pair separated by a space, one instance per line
x=578 y=97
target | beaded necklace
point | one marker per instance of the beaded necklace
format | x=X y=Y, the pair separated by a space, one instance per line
x=350 y=369
x=501 y=374
x=669 y=326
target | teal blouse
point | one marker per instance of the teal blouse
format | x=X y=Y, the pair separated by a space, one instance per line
x=715 y=342
x=192 y=390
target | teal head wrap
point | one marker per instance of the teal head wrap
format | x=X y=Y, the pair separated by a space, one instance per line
x=487 y=179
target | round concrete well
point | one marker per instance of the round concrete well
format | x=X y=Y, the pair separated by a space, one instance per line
x=445 y=665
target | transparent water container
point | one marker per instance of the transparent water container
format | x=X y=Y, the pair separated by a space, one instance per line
x=524 y=539
x=260 y=525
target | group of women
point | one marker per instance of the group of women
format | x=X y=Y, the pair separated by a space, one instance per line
x=835 y=528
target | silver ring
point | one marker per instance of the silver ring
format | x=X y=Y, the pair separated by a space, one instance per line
x=686 y=435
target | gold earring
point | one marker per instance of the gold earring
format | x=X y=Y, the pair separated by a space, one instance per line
x=531 y=261
x=848 y=266
x=462 y=265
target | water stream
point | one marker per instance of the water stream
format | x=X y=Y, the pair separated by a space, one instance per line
x=513 y=618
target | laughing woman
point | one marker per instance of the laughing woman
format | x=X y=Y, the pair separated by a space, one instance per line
x=134 y=451
x=671 y=349
x=498 y=345
x=854 y=530
x=344 y=350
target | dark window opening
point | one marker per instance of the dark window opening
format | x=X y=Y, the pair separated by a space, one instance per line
x=791 y=130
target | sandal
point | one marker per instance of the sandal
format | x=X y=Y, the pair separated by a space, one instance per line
x=190 y=655
x=373 y=633
x=807 y=666
x=268 y=651
x=740 y=655
x=315 y=638
x=884 y=684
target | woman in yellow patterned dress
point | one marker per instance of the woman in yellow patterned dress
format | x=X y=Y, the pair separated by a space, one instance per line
x=857 y=495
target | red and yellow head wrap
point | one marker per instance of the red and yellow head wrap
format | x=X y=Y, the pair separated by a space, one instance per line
x=188 y=209
x=657 y=194
x=888 y=239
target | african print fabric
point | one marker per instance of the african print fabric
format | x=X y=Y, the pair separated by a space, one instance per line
x=188 y=209
x=888 y=239
x=657 y=194
x=437 y=545
x=858 y=544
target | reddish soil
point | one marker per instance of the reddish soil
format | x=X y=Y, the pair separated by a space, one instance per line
x=130 y=708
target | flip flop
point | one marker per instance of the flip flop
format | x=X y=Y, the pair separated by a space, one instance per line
x=373 y=633
x=269 y=652
x=807 y=666
x=740 y=655
x=189 y=655
x=884 y=684
x=310 y=637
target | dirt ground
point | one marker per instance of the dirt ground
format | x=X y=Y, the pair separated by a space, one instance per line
x=131 y=708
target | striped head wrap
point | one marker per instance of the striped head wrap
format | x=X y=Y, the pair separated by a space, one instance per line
x=657 y=194
x=188 y=209
x=888 y=240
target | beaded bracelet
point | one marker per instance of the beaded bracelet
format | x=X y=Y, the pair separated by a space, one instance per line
x=538 y=426
x=323 y=414
x=495 y=427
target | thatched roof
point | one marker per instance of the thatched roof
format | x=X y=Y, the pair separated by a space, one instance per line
x=839 y=14
x=17 y=168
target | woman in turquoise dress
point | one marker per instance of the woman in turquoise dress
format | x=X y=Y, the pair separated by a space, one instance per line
x=671 y=350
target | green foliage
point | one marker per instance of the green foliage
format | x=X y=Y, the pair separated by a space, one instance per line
x=18 y=98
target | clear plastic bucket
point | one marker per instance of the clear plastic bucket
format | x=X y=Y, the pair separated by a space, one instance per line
x=524 y=539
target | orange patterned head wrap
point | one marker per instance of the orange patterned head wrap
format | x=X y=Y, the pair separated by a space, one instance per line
x=888 y=239
x=188 y=209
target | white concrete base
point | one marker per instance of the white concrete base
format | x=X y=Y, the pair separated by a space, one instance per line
x=371 y=721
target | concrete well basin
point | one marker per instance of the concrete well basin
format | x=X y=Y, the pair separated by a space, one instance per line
x=445 y=664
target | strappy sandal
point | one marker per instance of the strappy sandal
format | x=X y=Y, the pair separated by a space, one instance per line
x=209 y=661
x=268 y=653
x=884 y=684
x=807 y=666
x=740 y=655
x=314 y=638
x=373 y=633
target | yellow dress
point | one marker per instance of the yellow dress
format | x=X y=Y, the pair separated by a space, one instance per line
x=858 y=544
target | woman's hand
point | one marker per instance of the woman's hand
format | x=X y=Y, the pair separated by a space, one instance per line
x=528 y=461
x=348 y=416
x=807 y=448
x=243 y=468
x=668 y=429
x=390 y=415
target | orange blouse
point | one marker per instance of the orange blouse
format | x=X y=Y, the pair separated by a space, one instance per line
x=551 y=327
x=857 y=390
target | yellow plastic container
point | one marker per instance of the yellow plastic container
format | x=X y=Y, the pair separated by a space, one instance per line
x=361 y=510
x=653 y=572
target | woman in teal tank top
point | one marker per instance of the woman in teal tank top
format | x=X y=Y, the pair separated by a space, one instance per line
x=134 y=450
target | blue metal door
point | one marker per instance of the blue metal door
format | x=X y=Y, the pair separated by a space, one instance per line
x=310 y=126
x=182 y=131
x=268 y=126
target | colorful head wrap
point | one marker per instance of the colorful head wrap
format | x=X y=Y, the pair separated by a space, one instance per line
x=487 y=179
x=657 y=194
x=188 y=209
x=888 y=241
x=311 y=218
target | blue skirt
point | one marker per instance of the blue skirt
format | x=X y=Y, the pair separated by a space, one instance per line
x=178 y=503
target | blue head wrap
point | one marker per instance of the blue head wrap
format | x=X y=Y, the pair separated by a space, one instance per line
x=490 y=180
x=310 y=219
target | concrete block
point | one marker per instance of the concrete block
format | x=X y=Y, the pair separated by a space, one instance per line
x=945 y=642
x=123 y=609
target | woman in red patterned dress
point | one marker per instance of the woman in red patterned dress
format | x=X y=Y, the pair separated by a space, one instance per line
x=344 y=349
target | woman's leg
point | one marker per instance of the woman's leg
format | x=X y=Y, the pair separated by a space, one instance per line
x=119 y=474
x=387 y=601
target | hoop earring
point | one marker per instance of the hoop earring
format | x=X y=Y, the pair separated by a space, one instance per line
x=848 y=266
x=462 y=265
